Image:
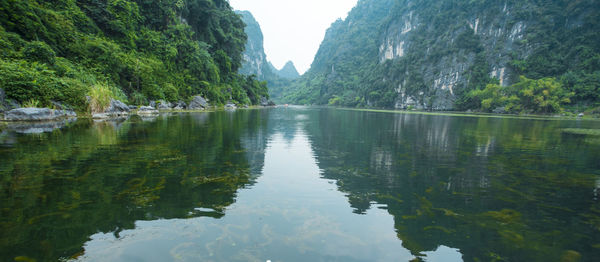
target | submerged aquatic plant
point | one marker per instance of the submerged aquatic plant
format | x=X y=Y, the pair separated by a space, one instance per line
x=582 y=131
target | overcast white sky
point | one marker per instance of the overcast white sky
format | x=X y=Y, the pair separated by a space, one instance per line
x=294 y=29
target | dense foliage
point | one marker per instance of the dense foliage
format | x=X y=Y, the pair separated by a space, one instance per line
x=142 y=50
x=559 y=39
x=545 y=95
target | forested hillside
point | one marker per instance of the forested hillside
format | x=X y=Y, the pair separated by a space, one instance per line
x=502 y=56
x=132 y=50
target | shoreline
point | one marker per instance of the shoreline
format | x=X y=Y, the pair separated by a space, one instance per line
x=472 y=114
x=88 y=115
x=392 y=111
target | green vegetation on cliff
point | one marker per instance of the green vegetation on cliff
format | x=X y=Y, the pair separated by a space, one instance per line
x=545 y=95
x=436 y=54
x=56 y=50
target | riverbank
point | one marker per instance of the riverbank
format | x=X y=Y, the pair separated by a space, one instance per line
x=115 y=108
x=478 y=114
x=46 y=126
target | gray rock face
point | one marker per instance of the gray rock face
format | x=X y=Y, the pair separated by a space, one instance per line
x=255 y=59
x=147 y=110
x=265 y=102
x=499 y=110
x=230 y=105
x=66 y=113
x=489 y=36
x=101 y=116
x=179 y=105
x=60 y=106
x=133 y=107
x=198 y=102
x=37 y=114
x=163 y=105
x=117 y=107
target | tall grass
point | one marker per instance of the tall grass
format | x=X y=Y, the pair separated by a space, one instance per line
x=100 y=96
x=31 y=103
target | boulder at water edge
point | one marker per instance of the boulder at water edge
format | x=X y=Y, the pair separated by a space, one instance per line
x=266 y=102
x=179 y=105
x=230 y=105
x=116 y=108
x=147 y=110
x=37 y=114
x=198 y=103
x=163 y=105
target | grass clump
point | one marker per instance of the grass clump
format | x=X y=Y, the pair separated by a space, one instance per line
x=100 y=96
x=31 y=103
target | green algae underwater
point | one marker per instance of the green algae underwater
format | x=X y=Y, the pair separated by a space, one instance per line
x=291 y=184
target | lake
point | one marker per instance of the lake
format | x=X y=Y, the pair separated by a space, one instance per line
x=302 y=184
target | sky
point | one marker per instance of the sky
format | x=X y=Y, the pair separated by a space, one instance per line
x=294 y=29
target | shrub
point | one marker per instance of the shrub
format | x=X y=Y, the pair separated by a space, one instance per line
x=23 y=80
x=73 y=92
x=544 y=95
x=39 y=51
x=138 y=98
x=334 y=101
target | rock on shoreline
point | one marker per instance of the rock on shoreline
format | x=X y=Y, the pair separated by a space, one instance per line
x=37 y=114
x=198 y=103
x=116 y=108
x=147 y=110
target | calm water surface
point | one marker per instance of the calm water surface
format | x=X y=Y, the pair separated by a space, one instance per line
x=301 y=184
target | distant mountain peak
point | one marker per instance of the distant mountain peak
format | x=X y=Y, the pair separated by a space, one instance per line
x=289 y=71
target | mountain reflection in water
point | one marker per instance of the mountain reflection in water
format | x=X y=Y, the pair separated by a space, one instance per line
x=298 y=184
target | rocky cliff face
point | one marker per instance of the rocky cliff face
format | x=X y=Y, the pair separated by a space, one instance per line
x=428 y=54
x=254 y=58
x=256 y=63
x=495 y=32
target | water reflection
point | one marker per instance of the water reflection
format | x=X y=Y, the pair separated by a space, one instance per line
x=301 y=184
x=59 y=188
x=289 y=214
x=496 y=189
